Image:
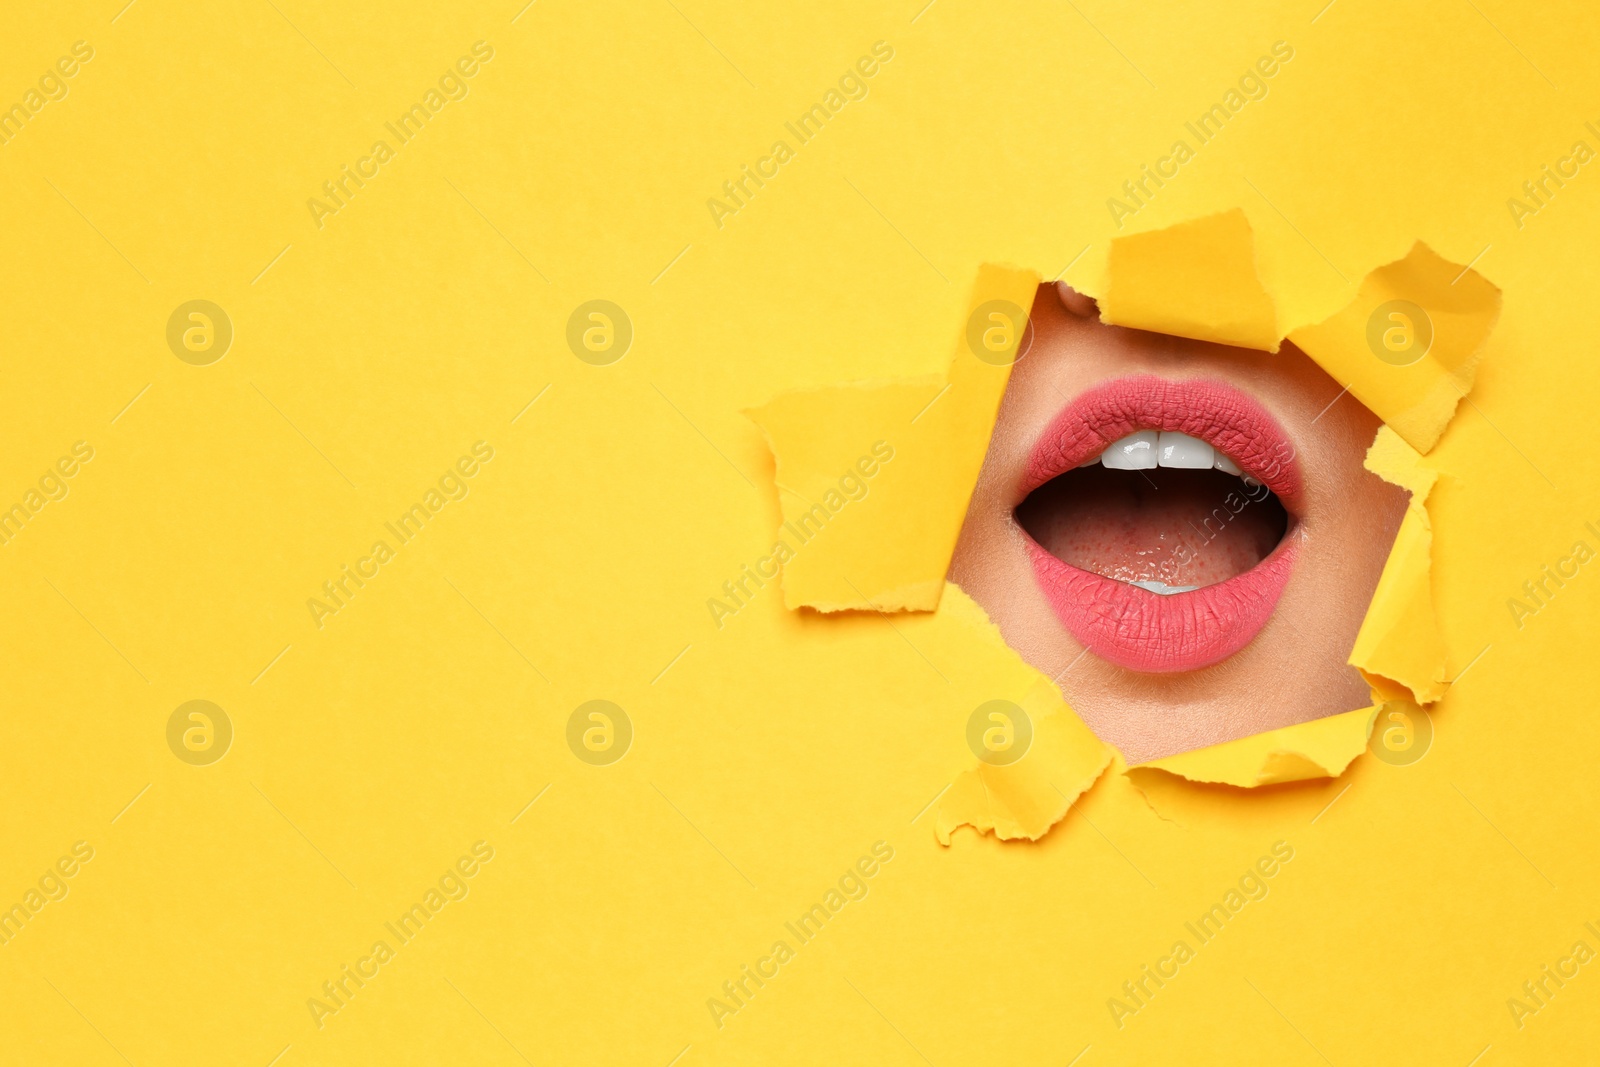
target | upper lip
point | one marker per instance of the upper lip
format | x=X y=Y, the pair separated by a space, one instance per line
x=1217 y=413
x=1133 y=627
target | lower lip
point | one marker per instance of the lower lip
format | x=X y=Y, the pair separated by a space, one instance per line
x=1133 y=627
x=1145 y=631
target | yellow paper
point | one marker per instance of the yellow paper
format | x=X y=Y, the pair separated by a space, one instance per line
x=1320 y=748
x=1196 y=279
x=1399 y=644
x=166 y=899
x=873 y=479
x=1184 y=279
x=1380 y=345
x=1025 y=798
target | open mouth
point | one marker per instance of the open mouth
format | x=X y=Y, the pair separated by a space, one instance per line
x=1160 y=518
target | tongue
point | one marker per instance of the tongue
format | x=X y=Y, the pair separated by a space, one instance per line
x=1179 y=528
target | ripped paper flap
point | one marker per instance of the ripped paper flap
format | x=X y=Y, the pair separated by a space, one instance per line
x=1321 y=748
x=1399 y=649
x=1025 y=798
x=1196 y=279
x=882 y=540
x=1408 y=345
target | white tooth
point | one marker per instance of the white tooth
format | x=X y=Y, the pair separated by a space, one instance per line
x=1163 y=588
x=1181 y=450
x=1135 y=452
x=1228 y=466
x=1090 y=462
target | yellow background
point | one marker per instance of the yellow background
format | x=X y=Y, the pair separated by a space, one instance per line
x=770 y=753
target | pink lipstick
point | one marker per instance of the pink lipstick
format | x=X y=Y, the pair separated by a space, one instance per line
x=1129 y=624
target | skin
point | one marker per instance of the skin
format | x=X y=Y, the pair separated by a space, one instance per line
x=1294 y=670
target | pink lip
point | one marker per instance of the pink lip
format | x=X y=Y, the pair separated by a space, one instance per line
x=1133 y=627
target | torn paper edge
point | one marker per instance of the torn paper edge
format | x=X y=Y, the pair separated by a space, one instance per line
x=1320 y=748
x=1400 y=649
x=979 y=389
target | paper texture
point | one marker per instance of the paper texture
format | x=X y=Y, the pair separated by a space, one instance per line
x=364 y=702
x=1021 y=799
x=907 y=452
x=1196 y=279
x=1417 y=388
x=1320 y=748
x=1399 y=647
